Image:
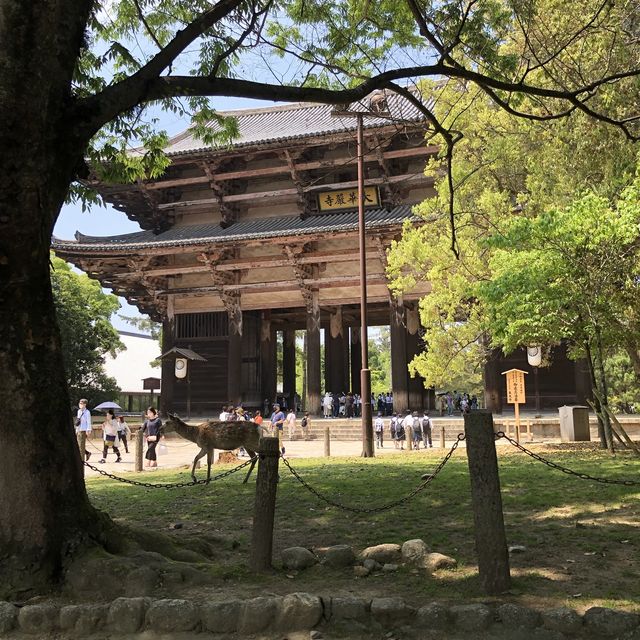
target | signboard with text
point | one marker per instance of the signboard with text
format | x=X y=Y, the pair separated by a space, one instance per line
x=515 y=386
x=347 y=199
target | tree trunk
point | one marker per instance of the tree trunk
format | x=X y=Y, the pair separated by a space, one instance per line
x=45 y=515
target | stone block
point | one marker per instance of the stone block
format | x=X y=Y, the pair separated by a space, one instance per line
x=172 y=615
x=563 y=620
x=297 y=611
x=38 y=618
x=472 y=617
x=413 y=551
x=127 y=615
x=83 y=619
x=609 y=623
x=297 y=558
x=8 y=616
x=142 y=581
x=433 y=616
x=258 y=614
x=348 y=608
x=435 y=561
x=514 y=616
x=382 y=553
x=391 y=611
x=339 y=556
x=221 y=617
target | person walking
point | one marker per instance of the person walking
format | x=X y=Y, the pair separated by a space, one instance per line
x=152 y=427
x=305 y=425
x=379 y=429
x=392 y=429
x=291 y=423
x=123 y=433
x=407 y=423
x=277 y=424
x=400 y=435
x=327 y=405
x=83 y=427
x=417 y=431
x=426 y=430
x=110 y=436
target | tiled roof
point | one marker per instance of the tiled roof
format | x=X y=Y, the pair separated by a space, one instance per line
x=287 y=122
x=243 y=230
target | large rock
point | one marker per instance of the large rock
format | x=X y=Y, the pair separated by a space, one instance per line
x=38 y=618
x=83 y=619
x=472 y=617
x=349 y=608
x=434 y=561
x=391 y=611
x=433 y=616
x=221 y=617
x=339 y=556
x=514 y=616
x=609 y=623
x=382 y=553
x=8 y=616
x=297 y=558
x=298 y=611
x=563 y=620
x=172 y=615
x=127 y=615
x=413 y=551
x=258 y=614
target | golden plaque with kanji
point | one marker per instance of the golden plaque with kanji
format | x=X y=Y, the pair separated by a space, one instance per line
x=347 y=199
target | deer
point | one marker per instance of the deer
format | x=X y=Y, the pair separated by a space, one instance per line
x=214 y=434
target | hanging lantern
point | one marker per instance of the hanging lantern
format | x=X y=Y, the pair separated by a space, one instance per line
x=534 y=356
x=181 y=367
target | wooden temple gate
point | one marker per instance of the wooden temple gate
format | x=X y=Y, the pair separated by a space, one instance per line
x=241 y=242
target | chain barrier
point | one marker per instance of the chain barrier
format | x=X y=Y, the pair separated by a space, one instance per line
x=170 y=485
x=558 y=467
x=384 y=507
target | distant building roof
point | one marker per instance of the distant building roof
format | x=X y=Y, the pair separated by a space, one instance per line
x=243 y=230
x=292 y=121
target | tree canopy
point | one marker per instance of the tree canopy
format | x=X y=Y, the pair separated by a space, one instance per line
x=77 y=79
x=84 y=313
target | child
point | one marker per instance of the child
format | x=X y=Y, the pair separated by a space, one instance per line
x=123 y=432
x=110 y=435
x=392 y=429
x=305 y=425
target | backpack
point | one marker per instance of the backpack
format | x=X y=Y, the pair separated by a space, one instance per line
x=304 y=422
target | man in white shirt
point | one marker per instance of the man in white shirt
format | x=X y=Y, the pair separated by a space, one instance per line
x=407 y=423
x=224 y=414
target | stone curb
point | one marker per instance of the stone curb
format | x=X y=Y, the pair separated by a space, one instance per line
x=304 y=612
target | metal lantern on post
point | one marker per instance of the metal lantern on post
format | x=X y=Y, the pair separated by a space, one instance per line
x=534 y=358
x=182 y=369
x=377 y=109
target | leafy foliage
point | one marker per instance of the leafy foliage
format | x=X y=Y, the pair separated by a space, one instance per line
x=84 y=314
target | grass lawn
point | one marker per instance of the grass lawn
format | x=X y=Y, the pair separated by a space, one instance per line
x=581 y=537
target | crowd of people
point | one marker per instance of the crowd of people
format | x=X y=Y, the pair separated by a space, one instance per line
x=411 y=429
x=457 y=402
x=349 y=405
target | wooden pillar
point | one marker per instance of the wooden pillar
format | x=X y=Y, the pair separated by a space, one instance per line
x=486 y=502
x=415 y=384
x=336 y=360
x=313 y=356
x=168 y=366
x=234 y=354
x=268 y=364
x=356 y=359
x=265 y=505
x=399 y=372
x=289 y=365
x=493 y=382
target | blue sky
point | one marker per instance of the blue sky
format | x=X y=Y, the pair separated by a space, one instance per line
x=101 y=221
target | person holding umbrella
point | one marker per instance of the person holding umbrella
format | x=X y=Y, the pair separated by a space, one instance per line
x=110 y=432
